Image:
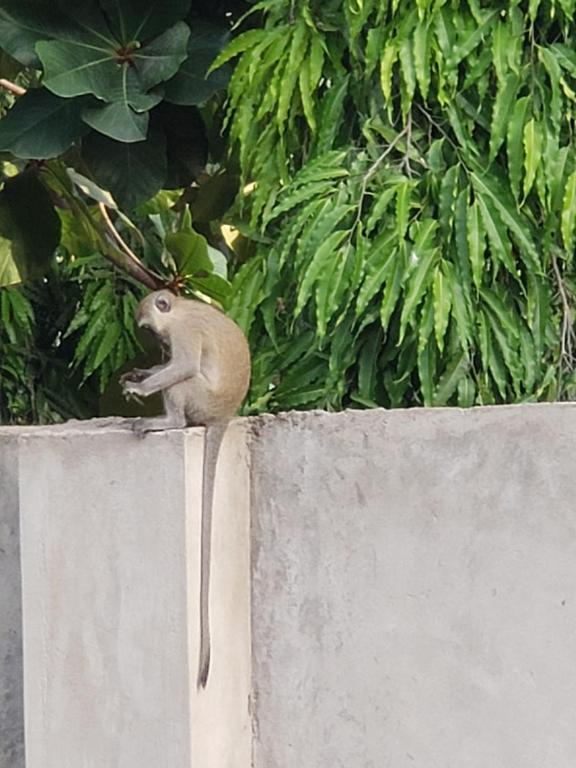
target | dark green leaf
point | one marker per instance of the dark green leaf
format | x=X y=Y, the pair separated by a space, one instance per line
x=518 y=226
x=160 y=59
x=455 y=371
x=190 y=252
x=31 y=247
x=41 y=125
x=192 y=84
x=143 y=19
x=118 y=121
x=132 y=172
x=24 y=23
x=186 y=143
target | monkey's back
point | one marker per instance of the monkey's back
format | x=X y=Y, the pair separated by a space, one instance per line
x=224 y=378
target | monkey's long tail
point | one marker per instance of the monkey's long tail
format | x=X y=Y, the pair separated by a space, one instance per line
x=212 y=442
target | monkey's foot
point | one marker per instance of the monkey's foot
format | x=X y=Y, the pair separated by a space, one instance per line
x=156 y=424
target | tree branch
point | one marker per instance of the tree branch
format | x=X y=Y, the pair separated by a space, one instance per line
x=567 y=333
x=131 y=263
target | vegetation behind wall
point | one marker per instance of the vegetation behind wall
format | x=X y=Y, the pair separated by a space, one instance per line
x=403 y=176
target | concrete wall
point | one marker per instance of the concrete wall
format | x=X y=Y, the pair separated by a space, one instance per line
x=413 y=593
x=11 y=705
x=414 y=589
x=110 y=540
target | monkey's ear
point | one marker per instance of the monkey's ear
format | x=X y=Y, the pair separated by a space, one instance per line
x=163 y=303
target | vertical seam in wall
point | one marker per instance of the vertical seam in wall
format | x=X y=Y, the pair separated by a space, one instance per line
x=19 y=444
x=190 y=563
x=19 y=539
x=253 y=430
x=21 y=594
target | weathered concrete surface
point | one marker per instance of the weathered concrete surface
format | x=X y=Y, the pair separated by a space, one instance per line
x=110 y=542
x=414 y=589
x=413 y=593
x=11 y=707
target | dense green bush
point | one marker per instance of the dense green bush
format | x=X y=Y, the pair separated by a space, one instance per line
x=103 y=97
x=406 y=195
x=414 y=196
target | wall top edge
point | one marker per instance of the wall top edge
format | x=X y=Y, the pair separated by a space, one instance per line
x=308 y=419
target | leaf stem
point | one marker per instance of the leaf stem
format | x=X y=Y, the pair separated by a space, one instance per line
x=8 y=85
x=567 y=336
x=133 y=265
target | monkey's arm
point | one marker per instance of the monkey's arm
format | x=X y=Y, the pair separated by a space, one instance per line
x=138 y=374
x=165 y=376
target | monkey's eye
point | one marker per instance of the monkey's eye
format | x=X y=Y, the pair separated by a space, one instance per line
x=162 y=304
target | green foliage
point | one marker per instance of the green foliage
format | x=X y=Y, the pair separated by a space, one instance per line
x=407 y=178
x=409 y=174
x=64 y=338
x=117 y=80
x=103 y=324
x=26 y=251
x=108 y=103
x=37 y=383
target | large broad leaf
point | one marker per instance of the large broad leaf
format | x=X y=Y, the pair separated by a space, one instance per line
x=23 y=23
x=9 y=67
x=110 y=23
x=160 y=60
x=26 y=247
x=76 y=70
x=214 y=286
x=118 y=121
x=191 y=85
x=190 y=252
x=213 y=196
x=143 y=19
x=112 y=72
x=132 y=172
x=186 y=142
x=41 y=125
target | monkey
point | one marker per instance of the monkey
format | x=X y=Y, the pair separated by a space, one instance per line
x=203 y=384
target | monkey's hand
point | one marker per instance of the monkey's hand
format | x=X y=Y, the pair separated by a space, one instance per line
x=131 y=388
x=137 y=374
x=131 y=382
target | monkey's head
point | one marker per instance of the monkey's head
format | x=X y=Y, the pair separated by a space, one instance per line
x=156 y=312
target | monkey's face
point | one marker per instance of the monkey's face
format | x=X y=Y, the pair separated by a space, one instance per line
x=155 y=312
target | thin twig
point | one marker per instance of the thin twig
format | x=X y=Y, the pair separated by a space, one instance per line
x=406 y=158
x=133 y=265
x=567 y=337
x=370 y=173
x=8 y=85
x=438 y=127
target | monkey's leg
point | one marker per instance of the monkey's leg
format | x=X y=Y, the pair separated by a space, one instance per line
x=158 y=423
x=174 y=417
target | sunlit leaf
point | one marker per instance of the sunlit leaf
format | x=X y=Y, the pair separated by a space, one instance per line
x=505 y=98
x=476 y=242
x=532 y=153
x=514 y=145
x=442 y=305
x=322 y=257
x=569 y=213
